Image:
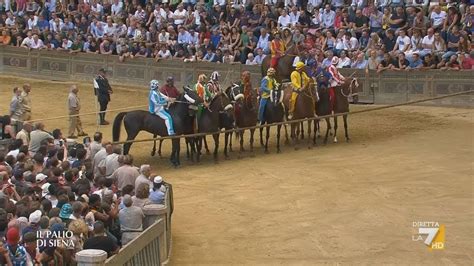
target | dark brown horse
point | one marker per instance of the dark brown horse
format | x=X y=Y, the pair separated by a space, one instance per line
x=285 y=64
x=274 y=113
x=323 y=108
x=304 y=108
x=211 y=121
x=349 y=89
x=245 y=107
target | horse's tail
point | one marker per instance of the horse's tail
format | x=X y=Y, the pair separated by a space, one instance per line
x=117 y=126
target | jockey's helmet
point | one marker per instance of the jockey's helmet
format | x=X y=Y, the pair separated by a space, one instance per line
x=271 y=71
x=215 y=75
x=202 y=78
x=299 y=65
x=154 y=84
x=335 y=60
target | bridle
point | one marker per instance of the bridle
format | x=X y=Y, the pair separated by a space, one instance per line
x=354 y=84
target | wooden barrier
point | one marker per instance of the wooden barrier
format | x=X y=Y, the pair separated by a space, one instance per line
x=388 y=87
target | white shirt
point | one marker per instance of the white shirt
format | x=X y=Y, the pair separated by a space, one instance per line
x=427 y=41
x=27 y=41
x=98 y=8
x=438 y=19
x=32 y=22
x=344 y=62
x=36 y=45
x=178 y=13
x=165 y=55
x=284 y=21
x=117 y=8
x=403 y=42
x=328 y=18
x=10 y=22
x=294 y=18
x=110 y=30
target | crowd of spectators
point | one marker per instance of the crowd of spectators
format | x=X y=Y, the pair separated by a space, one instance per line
x=363 y=32
x=51 y=185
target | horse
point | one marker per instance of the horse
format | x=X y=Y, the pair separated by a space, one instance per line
x=323 y=108
x=245 y=109
x=138 y=120
x=284 y=66
x=274 y=113
x=304 y=108
x=349 y=89
x=212 y=119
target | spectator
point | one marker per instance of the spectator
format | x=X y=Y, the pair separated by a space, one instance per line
x=74 y=107
x=111 y=161
x=467 y=61
x=416 y=62
x=429 y=62
x=401 y=63
x=131 y=220
x=38 y=136
x=101 y=241
x=360 y=62
x=250 y=60
x=437 y=17
x=386 y=63
x=157 y=196
x=125 y=174
x=141 y=196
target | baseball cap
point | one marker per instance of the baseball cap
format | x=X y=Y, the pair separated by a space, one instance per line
x=41 y=177
x=66 y=211
x=158 y=179
x=35 y=217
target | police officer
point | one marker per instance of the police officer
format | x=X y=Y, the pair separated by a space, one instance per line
x=103 y=91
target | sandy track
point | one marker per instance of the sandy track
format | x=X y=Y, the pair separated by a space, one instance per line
x=347 y=202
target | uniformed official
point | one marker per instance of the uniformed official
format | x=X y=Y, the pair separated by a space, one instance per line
x=103 y=91
x=74 y=106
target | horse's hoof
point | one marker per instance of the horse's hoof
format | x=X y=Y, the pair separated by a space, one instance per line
x=318 y=136
x=297 y=148
x=267 y=152
x=310 y=147
x=335 y=139
x=152 y=153
x=348 y=140
x=278 y=151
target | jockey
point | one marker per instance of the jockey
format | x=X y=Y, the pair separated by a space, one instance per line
x=246 y=88
x=277 y=48
x=266 y=86
x=157 y=104
x=336 y=80
x=213 y=84
x=202 y=90
x=299 y=81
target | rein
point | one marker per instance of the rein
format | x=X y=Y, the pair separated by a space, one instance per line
x=351 y=86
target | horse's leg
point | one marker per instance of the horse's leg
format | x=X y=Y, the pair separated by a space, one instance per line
x=198 y=144
x=131 y=135
x=241 y=132
x=252 y=132
x=159 y=148
x=261 y=137
x=344 y=117
x=205 y=145
x=278 y=138
x=297 y=132
x=309 y=134
x=266 y=139
x=319 y=129
x=302 y=130
x=153 y=151
x=328 y=128
x=315 y=130
x=216 y=147
x=230 y=141
x=186 y=141
x=287 y=140
x=226 y=142
x=174 y=158
x=335 y=129
x=178 y=150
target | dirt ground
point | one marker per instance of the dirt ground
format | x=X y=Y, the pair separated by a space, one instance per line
x=340 y=203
